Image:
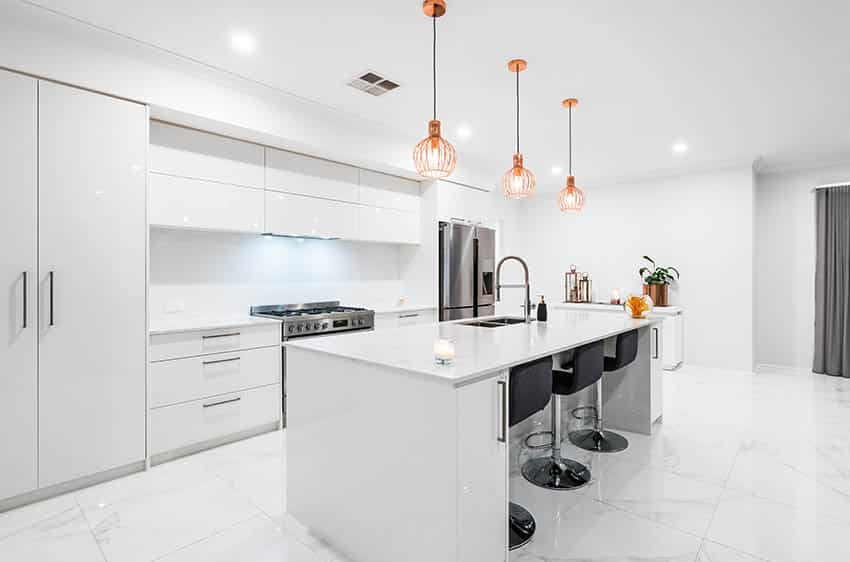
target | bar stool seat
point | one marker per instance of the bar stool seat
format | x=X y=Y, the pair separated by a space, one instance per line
x=598 y=439
x=556 y=472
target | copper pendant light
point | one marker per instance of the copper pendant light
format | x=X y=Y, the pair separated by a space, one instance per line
x=571 y=198
x=518 y=182
x=434 y=156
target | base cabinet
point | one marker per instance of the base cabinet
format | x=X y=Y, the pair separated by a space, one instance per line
x=408 y=318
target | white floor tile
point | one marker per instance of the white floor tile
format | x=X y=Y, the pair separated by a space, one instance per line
x=23 y=517
x=713 y=552
x=255 y=540
x=62 y=537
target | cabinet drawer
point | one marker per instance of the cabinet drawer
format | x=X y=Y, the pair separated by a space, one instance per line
x=189 y=344
x=192 y=378
x=190 y=203
x=172 y=427
x=297 y=215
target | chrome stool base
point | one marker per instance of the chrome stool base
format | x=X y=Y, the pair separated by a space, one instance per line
x=599 y=441
x=522 y=526
x=564 y=474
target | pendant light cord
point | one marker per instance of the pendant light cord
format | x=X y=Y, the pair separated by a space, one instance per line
x=571 y=140
x=434 y=60
x=517 y=110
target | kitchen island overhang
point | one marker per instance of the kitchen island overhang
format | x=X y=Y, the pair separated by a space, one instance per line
x=393 y=457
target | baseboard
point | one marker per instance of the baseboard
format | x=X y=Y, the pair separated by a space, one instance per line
x=160 y=458
x=71 y=486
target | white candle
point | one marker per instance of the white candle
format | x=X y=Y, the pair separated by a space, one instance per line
x=444 y=351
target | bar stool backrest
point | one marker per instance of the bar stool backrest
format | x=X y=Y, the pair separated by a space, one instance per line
x=627 y=347
x=530 y=388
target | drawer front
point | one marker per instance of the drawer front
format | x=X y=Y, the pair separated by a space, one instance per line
x=416 y=317
x=189 y=344
x=172 y=427
x=192 y=378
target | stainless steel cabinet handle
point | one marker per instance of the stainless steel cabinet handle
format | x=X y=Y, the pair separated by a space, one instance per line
x=216 y=361
x=221 y=403
x=408 y=315
x=230 y=335
x=24 y=278
x=503 y=414
x=51 y=322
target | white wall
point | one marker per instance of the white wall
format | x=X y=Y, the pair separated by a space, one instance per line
x=220 y=273
x=785 y=263
x=702 y=223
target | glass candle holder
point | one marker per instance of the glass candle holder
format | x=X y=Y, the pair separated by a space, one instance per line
x=444 y=351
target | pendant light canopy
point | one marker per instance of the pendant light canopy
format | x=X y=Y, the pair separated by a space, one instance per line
x=434 y=156
x=518 y=182
x=571 y=198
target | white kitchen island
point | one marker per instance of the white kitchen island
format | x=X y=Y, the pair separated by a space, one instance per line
x=392 y=457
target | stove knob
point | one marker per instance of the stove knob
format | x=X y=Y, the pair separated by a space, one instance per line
x=316 y=326
x=291 y=329
x=324 y=325
x=298 y=328
x=361 y=321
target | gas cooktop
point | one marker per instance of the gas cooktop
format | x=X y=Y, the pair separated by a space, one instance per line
x=314 y=318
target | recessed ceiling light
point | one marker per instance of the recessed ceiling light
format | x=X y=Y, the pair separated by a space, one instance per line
x=464 y=131
x=557 y=170
x=242 y=42
x=680 y=147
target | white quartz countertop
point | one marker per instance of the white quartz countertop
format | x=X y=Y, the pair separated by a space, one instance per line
x=189 y=323
x=605 y=307
x=396 y=309
x=480 y=352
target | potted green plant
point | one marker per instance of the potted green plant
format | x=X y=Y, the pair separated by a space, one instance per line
x=656 y=280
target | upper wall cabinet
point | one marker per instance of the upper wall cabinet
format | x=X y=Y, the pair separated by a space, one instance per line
x=383 y=190
x=189 y=153
x=304 y=175
x=457 y=202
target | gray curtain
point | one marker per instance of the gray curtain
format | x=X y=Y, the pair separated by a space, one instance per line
x=832 y=282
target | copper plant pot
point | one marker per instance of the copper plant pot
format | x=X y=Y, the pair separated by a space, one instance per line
x=658 y=294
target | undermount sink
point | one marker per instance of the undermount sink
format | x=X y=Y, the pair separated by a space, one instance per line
x=494 y=322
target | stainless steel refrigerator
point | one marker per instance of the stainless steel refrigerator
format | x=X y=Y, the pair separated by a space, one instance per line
x=467 y=263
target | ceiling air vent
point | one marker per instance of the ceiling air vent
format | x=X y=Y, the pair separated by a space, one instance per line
x=372 y=83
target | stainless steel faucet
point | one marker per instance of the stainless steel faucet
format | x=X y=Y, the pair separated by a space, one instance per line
x=526 y=286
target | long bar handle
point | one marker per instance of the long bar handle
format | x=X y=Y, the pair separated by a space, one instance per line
x=223 y=402
x=503 y=412
x=230 y=335
x=408 y=315
x=51 y=298
x=216 y=361
x=655 y=331
x=24 y=278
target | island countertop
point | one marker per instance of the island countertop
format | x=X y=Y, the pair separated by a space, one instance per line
x=480 y=351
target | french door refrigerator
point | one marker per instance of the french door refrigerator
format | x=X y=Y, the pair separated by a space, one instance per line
x=467 y=261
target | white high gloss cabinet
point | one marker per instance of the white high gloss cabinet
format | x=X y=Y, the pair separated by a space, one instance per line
x=92 y=281
x=18 y=283
x=299 y=215
x=304 y=175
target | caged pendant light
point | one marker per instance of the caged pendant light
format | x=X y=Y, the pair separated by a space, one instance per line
x=434 y=156
x=571 y=198
x=518 y=182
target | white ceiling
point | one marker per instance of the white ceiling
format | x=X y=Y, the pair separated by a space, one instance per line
x=736 y=79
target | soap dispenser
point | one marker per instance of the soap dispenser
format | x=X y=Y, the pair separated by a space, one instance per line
x=541 y=310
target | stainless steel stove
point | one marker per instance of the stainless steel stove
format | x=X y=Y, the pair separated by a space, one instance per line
x=316 y=318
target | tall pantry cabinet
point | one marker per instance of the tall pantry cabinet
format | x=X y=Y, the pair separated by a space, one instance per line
x=73 y=220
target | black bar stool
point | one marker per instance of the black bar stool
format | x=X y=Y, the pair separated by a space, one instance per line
x=555 y=472
x=599 y=439
x=530 y=388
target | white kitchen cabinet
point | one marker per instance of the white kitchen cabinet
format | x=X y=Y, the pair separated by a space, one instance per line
x=482 y=430
x=179 y=151
x=18 y=283
x=298 y=215
x=92 y=159
x=378 y=224
x=383 y=190
x=460 y=203
x=198 y=421
x=674 y=340
x=304 y=175
x=406 y=318
x=203 y=205
x=656 y=362
x=179 y=344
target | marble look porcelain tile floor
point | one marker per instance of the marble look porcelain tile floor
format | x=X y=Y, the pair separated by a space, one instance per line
x=744 y=467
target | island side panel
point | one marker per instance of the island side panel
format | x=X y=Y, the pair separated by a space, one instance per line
x=371 y=458
x=627 y=393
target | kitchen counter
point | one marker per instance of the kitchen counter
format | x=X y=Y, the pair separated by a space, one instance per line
x=391 y=457
x=481 y=352
x=606 y=307
x=186 y=323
